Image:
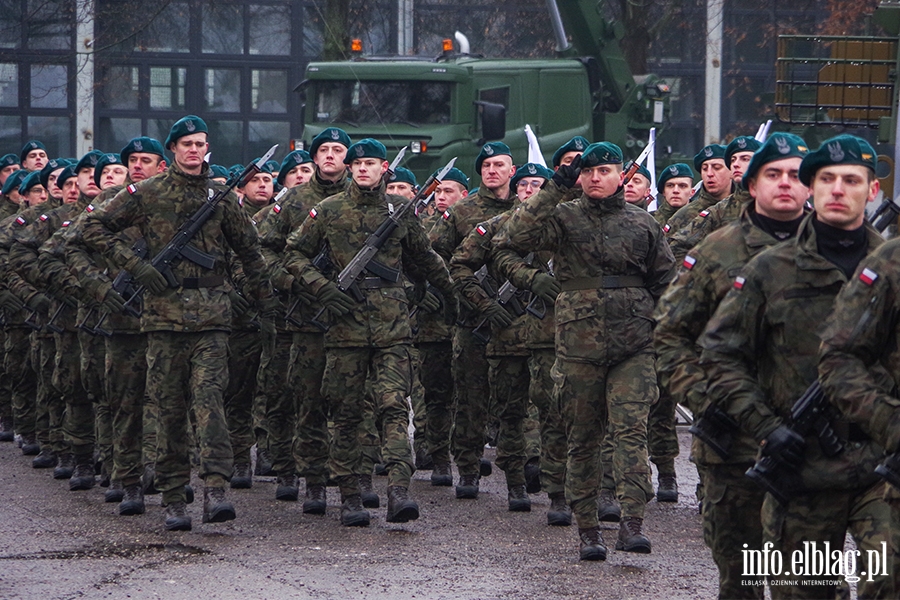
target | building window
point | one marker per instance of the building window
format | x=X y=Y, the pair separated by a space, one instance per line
x=119 y=87
x=263 y=134
x=55 y=132
x=223 y=29
x=50 y=24
x=167 y=87
x=270 y=29
x=168 y=32
x=223 y=90
x=9 y=85
x=226 y=140
x=49 y=86
x=268 y=91
x=115 y=133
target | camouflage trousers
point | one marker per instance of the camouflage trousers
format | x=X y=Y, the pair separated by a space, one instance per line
x=552 y=446
x=311 y=437
x=6 y=409
x=827 y=516
x=125 y=376
x=244 y=349
x=79 y=425
x=277 y=402
x=50 y=407
x=437 y=382
x=188 y=373
x=470 y=380
x=731 y=523
x=387 y=372
x=892 y=498
x=22 y=379
x=417 y=401
x=588 y=395
x=509 y=381
x=93 y=368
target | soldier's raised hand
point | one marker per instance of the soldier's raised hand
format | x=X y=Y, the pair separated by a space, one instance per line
x=545 y=287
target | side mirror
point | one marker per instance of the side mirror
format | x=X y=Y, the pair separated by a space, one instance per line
x=493 y=120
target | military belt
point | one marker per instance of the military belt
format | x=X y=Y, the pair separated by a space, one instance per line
x=208 y=281
x=604 y=282
x=373 y=283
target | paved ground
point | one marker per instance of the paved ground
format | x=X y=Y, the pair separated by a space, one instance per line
x=59 y=544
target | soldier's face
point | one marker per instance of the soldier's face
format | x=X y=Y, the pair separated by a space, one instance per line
x=189 y=152
x=778 y=191
x=299 y=175
x=840 y=194
x=637 y=189
x=367 y=172
x=528 y=187
x=401 y=189
x=53 y=189
x=16 y=197
x=36 y=195
x=716 y=176
x=7 y=171
x=739 y=162
x=259 y=189
x=677 y=191
x=35 y=160
x=330 y=158
x=112 y=175
x=496 y=171
x=86 y=183
x=447 y=194
x=601 y=181
x=142 y=165
x=70 y=190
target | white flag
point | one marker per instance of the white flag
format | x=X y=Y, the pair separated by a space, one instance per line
x=534 y=148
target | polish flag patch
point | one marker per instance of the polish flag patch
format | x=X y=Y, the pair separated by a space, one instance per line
x=666 y=228
x=481 y=230
x=446 y=214
x=313 y=213
x=131 y=189
x=276 y=209
x=689 y=262
x=89 y=208
x=739 y=283
x=20 y=220
x=43 y=217
x=868 y=276
x=704 y=213
x=65 y=223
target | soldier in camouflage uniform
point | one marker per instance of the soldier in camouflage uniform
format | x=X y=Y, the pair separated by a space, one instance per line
x=675 y=183
x=731 y=510
x=33 y=156
x=371 y=339
x=296 y=169
x=187 y=327
x=8 y=207
x=612 y=263
x=760 y=351
x=716 y=178
x=470 y=366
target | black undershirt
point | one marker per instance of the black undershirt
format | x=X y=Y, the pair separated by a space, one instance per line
x=843 y=248
x=780 y=230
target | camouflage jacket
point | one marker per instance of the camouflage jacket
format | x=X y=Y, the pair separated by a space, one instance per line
x=760 y=351
x=343 y=223
x=158 y=207
x=286 y=216
x=664 y=210
x=708 y=220
x=707 y=273
x=431 y=325
x=688 y=212
x=474 y=252
x=7 y=207
x=612 y=262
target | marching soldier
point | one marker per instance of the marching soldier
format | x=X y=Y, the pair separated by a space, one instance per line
x=716 y=178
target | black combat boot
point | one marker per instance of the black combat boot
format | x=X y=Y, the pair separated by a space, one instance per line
x=369 y=497
x=83 y=477
x=47 y=459
x=518 y=499
x=133 y=501
x=177 y=518
x=66 y=466
x=6 y=429
x=316 y=500
x=467 y=488
x=216 y=509
x=264 y=463
x=288 y=488
x=668 y=488
x=559 y=514
x=485 y=468
x=30 y=445
x=188 y=494
x=381 y=469
x=241 y=478
x=631 y=538
x=441 y=474
x=115 y=492
x=533 y=475
x=608 y=509
x=592 y=546
x=424 y=462
x=400 y=508
x=352 y=512
x=148 y=480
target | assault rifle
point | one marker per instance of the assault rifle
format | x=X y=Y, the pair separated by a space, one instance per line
x=716 y=429
x=808 y=416
x=123 y=284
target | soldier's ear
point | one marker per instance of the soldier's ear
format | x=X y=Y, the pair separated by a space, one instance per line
x=384 y=166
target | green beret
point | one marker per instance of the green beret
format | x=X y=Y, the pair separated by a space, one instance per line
x=13 y=181
x=185 y=126
x=576 y=144
x=673 y=171
x=529 y=170
x=710 y=152
x=297 y=157
x=742 y=143
x=365 y=148
x=142 y=144
x=89 y=160
x=28 y=147
x=840 y=150
x=218 y=171
x=29 y=181
x=331 y=135
x=601 y=153
x=235 y=170
x=8 y=160
x=403 y=175
x=779 y=145
x=266 y=168
x=491 y=149
x=67 y=173
x=106 y=159
x=52 y=165
x=641 y=170
x=273 y=166
x=456 y=175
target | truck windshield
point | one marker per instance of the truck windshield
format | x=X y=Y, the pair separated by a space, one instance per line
x=405 y=102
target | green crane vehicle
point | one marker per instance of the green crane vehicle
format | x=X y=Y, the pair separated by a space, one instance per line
x=450 y=105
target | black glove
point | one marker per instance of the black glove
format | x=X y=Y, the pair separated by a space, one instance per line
x=239 y=304
x=302 y=293
x=784 y=445
x=567 y=175
x=10 y=302
x=113 y=302
x=39 y=303
x=545 y=287
x=147 y=275
x=498 y=316
x=333 y=299
x=451 y=309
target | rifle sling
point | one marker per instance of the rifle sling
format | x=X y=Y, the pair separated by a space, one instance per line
x=208 y=281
